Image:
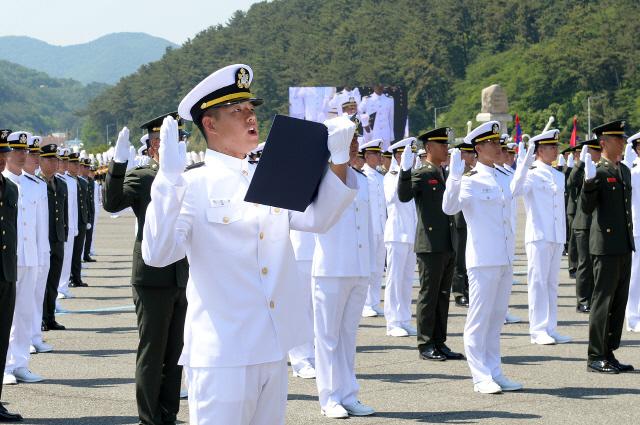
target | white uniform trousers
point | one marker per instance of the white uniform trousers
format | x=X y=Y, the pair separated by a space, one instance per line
x=375 y=281
x=38 y=303
x=244 y=395
x=633 y=303
x=401 y=264
x=21 y=329
x=337 y=308
x=304 y=355
x=65 y=274
x=543 y=266
x=489 y=290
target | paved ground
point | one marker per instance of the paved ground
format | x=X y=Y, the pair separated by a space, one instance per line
x=90 y=375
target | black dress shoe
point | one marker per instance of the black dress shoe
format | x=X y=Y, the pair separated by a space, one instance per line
x=44 y=327
x=602 y=366
x=620 y=366
x=89 y=260
x=462 y=301
x=450 y=355
x=55 y=326
x=583 y=308
x=77 y=284
x=572 y=274
x=432 y=353
x=8 y=417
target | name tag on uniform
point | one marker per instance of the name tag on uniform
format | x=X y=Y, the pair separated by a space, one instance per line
x=432 y=181
x=612 y=180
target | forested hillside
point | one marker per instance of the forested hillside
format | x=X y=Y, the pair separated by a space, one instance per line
x=550 y=55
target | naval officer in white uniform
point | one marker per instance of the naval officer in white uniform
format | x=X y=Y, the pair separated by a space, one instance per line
x=244 y=291
x=542 y=188
x=484 y=196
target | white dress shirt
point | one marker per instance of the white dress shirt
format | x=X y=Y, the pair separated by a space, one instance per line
x=244 y=291
x=484 y=197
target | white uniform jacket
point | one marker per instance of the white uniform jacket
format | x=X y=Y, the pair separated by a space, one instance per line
x=484 y=197
x=33 y=220
x=303 y=244
x=72 y=206
x=635 y=199
x=403 y=219
x=243 y=291
x=382 y=106
x=377 y=203
x=542 y=188
x=346 y=249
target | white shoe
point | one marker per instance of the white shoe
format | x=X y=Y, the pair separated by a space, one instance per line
x=378 y=310
x=487 y=387
x=510 y=318
x=307 y=372
x=543 y=339
x=9 y=379
x=65 y=295
x=184 y=394
x=335 y=412
x=23 y=374
x=397 y=332
x=359 y=409
x=32 y=349
x=506 y=384
x=635 y=328
x=43 y=347
x=561 y=339
x=369 y=312
x=410 y=330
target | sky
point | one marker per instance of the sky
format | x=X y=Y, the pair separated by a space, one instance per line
x=65 y=22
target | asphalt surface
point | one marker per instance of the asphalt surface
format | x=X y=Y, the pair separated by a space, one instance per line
x=89 y=376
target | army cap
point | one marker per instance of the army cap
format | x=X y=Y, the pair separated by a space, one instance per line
x=442 y=135
x=489 y=130
x=18 y=140
x=466 y=147
x=226 y=86
x=153 y=126
x=634 y=140
x=591 y=143
x=569 y=149
x=549 y=137
x=49 y=150
x=4 y=143
x=613 y=128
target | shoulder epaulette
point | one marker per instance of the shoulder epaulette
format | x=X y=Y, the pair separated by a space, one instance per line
x=470 y=173
x=503 y=172
x=194 y=165
x=41 y=178
x=31 y=178
x=358 y=171
x=394 y=172
x=533 y=167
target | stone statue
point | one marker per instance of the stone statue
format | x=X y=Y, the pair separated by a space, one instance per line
x=494 y=100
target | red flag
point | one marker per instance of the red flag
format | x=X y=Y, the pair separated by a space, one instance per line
x=574 y=132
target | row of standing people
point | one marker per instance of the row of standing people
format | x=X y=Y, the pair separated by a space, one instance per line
x=47 y=233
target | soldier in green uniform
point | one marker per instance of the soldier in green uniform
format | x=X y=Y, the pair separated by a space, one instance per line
x=8 y=263
x=75 y=281
x=433 y=245
x=571 y=203
x=58 y=231
x=91 y=210
x=158 y=293
x=606 y=194
x=460 y=285
x=581 y=228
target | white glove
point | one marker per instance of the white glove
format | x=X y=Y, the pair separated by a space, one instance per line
x=171 y=163
x=121 y=153
x=589 y=168
x=629 y=155
x=456 y=165
x=525 y=157
x=182 y=152
x=407 y=158
x=341 y=131
x=583 y=153
x=88 y=226
x=561 y=162
x=571 y=161
x=131 y=162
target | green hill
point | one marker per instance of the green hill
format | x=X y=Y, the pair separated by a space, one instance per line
x=31 y=100
x=104 y=60
x=550 y=55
